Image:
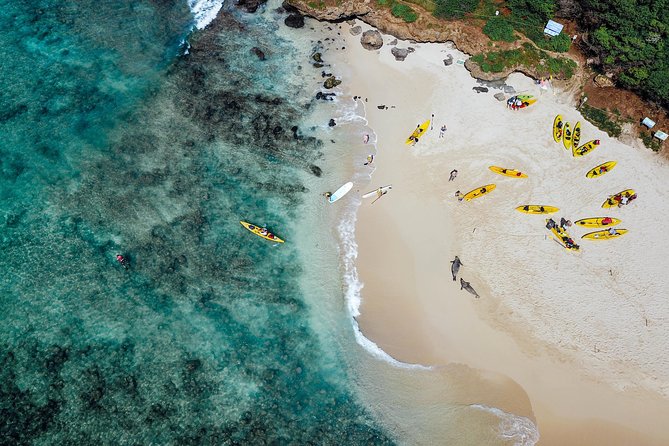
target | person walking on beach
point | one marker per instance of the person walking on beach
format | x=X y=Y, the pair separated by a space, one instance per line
x=442 y=130
x=370 y=160
x=454 y=173
x=431 y=121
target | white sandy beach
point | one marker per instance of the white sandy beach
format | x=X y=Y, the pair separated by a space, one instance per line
x=583 y=334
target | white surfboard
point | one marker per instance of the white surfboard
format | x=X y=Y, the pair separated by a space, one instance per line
x=341 y=192
x=378 y=191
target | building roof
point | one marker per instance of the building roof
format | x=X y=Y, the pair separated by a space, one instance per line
x=553 y=28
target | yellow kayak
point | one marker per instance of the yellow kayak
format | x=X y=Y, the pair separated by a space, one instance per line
x=602 y=169
x=585 y=148
x=537 y=209
x=576 y=135
x=598 y=222
x=261 y=232
x=479 y=192
x=557 y=128
x=613 y=200
x=508 y=172
x=562 y=236
x=420 y=130
x=604 y=234
x=566 y=136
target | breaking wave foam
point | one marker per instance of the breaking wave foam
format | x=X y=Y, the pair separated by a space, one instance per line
x=349 y=246
x=521 y=430
x=204 y=11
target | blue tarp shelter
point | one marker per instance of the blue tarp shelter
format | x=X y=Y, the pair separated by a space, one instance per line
x=553 y=28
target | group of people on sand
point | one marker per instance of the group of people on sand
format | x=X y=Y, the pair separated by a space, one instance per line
x=561 y=230
x=515 y=103
x=623 y=199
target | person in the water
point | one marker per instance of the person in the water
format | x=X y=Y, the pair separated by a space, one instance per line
x=123 y=261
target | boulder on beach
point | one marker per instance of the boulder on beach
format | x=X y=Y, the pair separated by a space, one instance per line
x=400 y=53
x=500 y=96
x=331 y=82
x=480 y=89
x=356 y=30
x=449 y=60
x=371 y=40
x=393 y=42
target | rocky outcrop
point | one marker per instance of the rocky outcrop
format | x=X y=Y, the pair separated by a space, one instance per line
x=356 y=30
x=331 y=82
x=294 y=21
x=250 y=5
x=371 y=40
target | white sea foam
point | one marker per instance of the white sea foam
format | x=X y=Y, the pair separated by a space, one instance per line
x=204 y=11
x=521 y=430
x=346 y=228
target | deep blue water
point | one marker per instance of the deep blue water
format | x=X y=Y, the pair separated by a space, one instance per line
x=115 y=142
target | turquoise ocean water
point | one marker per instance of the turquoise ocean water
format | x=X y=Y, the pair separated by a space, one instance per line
x=115 y=141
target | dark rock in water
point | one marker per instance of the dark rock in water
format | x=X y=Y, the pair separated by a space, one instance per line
x=480 y=89
x=258 y=52
x=400 y=53
x=318 y=65
x=332 y=123
x=250 y=5
x=371 y=40
x=331 y=82
x=393 y=42
x=356 y=30
x=294 y=21
x=317 y=171
x=325 y=96
x=317 y=57
x=277 y=130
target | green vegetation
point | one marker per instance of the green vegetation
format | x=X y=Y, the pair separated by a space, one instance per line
x=400 y=10
x=652 y=143
x=448 y=9
x=528 y=55
x=498 y=28
x=631 y=39
x=404 y=12
x=530 y=17
x=600 y=118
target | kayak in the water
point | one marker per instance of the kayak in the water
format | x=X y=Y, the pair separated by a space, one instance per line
x=261 y=232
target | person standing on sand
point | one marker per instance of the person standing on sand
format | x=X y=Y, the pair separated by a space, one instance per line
x=365 y=139
x=442 y=130
x=458 y=195
x=431 y=121
x=454 y=173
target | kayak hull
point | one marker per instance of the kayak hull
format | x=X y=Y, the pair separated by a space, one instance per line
x=585 y=148
x=507 y=172
x=420 y=131
x=602 y=169
x=557 y=130
x=537 y=209
x=597 y=222
x=258 y=231
x=566 y=135
x=612 y=202
x=561 y=236
x=576 y=135
x=604 y=234
x=479 y=191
